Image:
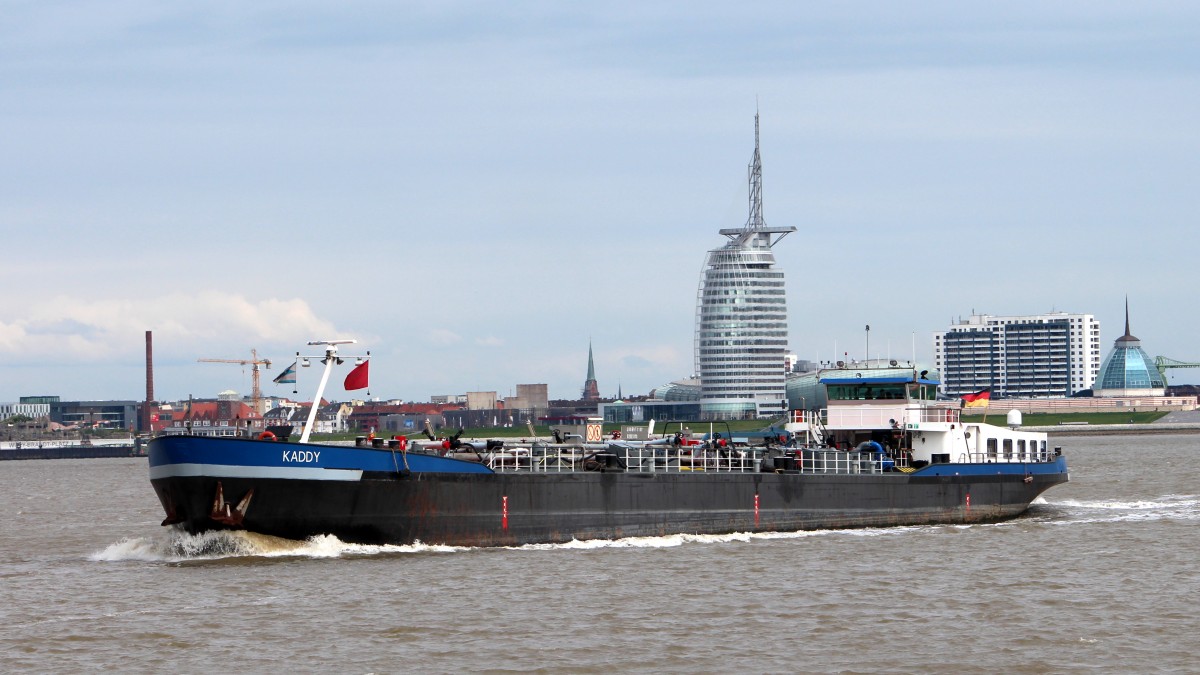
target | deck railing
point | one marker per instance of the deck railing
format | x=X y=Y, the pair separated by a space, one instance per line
x=666 y=458
x=674 y=459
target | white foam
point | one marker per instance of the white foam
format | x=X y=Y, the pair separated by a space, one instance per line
x=1164 y=502
x=176 y=546
x=673 y=540
x=1166 y=507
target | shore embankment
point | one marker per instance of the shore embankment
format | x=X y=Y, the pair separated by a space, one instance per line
x=1118 y=429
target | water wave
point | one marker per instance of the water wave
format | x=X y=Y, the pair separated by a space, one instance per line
x=177 y=546
x=673 y=540
x=1165 y=507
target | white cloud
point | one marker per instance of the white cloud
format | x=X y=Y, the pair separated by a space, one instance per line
x=442 y=337
x=73 y=329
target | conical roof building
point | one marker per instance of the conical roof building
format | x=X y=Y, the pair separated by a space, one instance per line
x=1128 y=370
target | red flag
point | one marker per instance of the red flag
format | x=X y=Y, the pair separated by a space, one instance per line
x=357 y=379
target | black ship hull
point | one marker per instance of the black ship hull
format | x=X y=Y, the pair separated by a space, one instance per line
x=490 y=509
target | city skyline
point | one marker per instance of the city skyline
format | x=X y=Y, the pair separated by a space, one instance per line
x=474 y=191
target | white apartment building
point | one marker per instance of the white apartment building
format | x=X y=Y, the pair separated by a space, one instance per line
x=1033 y=356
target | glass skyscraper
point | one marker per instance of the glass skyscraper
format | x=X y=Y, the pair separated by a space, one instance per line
x=741 y=318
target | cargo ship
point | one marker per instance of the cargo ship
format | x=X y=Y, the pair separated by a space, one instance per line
x=883 y=452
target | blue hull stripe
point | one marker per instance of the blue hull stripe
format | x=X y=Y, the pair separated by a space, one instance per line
x=286 y=458
x=1059 y=465
x=241 y=471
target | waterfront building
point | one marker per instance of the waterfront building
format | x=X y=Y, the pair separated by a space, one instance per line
x=31 y=410
x=687 y=389
x=227 y=415
x=1032 y=356
x=1128 y=370
x=481 y=400
x=96 y=414
x=536 y=396
x=741 y=317
x=663 y=412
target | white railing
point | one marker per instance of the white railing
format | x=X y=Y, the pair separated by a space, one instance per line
x=1032 y=456
x=621 y=457
x=665 y=458
x=836 y=461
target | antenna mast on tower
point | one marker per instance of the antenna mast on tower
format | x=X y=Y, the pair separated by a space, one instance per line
x=755 y=232
x=755 y=221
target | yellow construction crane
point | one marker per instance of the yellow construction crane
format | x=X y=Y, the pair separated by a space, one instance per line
x=254 y=362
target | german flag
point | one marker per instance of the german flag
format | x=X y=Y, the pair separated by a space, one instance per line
x=977 y=400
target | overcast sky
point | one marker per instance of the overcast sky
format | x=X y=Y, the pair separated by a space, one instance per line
x=476 y=190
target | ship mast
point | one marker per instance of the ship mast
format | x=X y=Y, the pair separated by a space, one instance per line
x=331 y=357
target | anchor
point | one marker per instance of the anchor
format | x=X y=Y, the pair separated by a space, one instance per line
x=223 y=513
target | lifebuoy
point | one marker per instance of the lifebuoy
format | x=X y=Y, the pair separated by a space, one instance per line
x=266 y=436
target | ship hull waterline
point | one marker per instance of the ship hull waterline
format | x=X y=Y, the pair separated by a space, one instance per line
x=506 y=509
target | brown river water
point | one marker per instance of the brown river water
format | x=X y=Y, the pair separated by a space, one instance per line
x=1101 y=575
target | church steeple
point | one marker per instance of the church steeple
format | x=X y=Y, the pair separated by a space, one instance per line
x=591 y=391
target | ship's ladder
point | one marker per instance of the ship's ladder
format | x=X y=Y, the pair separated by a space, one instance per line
x=821 y=428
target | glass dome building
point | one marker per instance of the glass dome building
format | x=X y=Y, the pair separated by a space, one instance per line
x=1128 y=370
